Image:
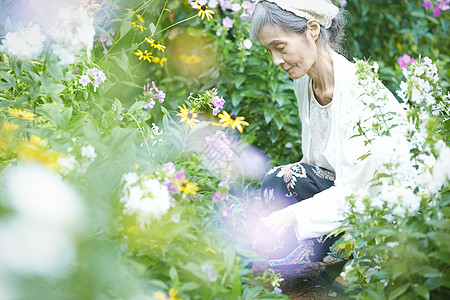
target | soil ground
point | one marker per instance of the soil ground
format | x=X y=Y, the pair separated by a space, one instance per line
x=303 y=282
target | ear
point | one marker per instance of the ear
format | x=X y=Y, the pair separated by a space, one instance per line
x=313 y=28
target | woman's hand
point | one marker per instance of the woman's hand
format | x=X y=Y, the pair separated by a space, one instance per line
x=272 y=227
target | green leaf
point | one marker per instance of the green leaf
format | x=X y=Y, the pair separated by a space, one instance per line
x=422 y=290
x=239 y=79
x=173 y=274
x=152 y=28
x=190 y=286
x=9 y=78
x=126 y=26
x=138 y=105
x=269 y=112
x=398 y=291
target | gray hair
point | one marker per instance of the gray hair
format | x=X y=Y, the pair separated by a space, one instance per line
x=269 y=13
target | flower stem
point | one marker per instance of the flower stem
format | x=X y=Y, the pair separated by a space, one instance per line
x=179 y=22
x=142 y=132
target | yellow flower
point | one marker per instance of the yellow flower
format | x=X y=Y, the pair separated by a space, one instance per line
x=21 y=114
x=37 y=140
x=191 y=59
x=10 y=126
x=233 y=121
x=142 y=28
x=155 y=44
x=139 y=17
x=132 y=229
x=203 y=11
x=160 y=296
x=189 y=116
x=135 y=166
x=188 y=187
x=160 y=60
x=32 y=152
x=90 y=4
x=144 y=55
x=172 y=293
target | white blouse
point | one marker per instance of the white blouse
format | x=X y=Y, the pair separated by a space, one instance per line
x=323 y=212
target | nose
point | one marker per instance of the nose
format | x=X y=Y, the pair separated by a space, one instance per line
x=277 y=59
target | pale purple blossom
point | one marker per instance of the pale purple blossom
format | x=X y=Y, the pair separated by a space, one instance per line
x=343 y=3
x=227 y=22
x=235 y=7
x=170 y=167
x=150 y=104
x=228 y=210
x=84 y=80
x=210 y=271
x=109 y=42
x=213 y=3
x=103 y=38
x=120 y=118
x=111 y=31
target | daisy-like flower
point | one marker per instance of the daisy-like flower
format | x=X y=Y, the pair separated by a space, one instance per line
x=155 y=44
x=162 y=296
x=21 y=114
x=144 y=55
x=203 y=11
x=159 y=60
x=188 y=115
x=227 y=120
x=188 y=187
x=89 y=4
x=10 y=126
x=142 y=28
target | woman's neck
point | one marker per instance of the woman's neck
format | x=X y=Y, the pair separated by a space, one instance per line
x=322 y=75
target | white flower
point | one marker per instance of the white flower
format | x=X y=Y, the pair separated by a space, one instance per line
x=88 y=152
x=66 y=164
x=24 y=44
x=47 y=216
x=147 y=198
x=72 y=31
x=210 y=271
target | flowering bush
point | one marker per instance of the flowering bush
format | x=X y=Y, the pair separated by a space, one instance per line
x=106 y=187
x=398 y=233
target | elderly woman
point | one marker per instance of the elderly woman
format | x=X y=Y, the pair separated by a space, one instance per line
x=305 y=200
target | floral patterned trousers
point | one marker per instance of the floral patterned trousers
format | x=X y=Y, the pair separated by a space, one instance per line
x=286 y=185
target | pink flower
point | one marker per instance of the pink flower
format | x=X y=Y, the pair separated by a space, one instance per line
x=216 y=197
x=427 y=4
x=235 y=7
x=111 y=31
x=436 y=11
x=102 y=38
x=404 y=60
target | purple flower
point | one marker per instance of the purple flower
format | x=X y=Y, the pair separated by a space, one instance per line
x=155 y=92
x=111 y=31
x=109 y=42
x=427 y=4
x=216 y=111
x=213 y=3
x=150 y=104
x=120 y=118
x=210 y=271
x=171 y=186
x=102 y=38
x=248 y=5
x=235 y=7
x=227 y=211
x=218 y=101
x=227 y=22
x=343 y=3
x=190 y=96
x=180 y=176
x=84 y=80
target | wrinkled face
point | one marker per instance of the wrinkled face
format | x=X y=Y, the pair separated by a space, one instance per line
x=295 y=53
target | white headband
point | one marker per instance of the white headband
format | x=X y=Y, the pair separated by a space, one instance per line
x=321 y=10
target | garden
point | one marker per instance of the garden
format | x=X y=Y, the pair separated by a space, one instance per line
x=134 y=135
